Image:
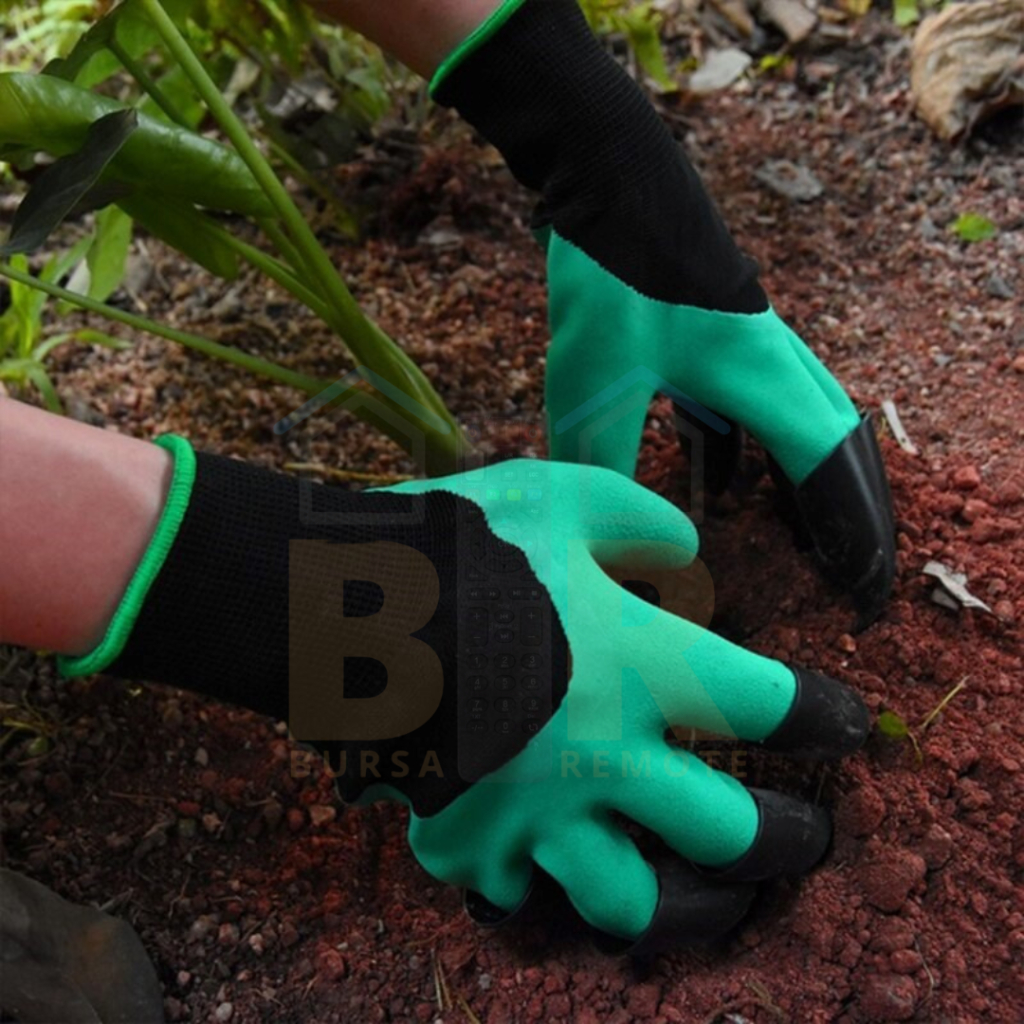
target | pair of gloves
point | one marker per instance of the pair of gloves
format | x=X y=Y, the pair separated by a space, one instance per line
x=457 y=644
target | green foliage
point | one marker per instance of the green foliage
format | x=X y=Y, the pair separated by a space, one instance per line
x=24 y=346
x=640 y=23
x=905 y=12
x=973 y=227
x=895 y=727
x=892 y=725
x=168 y=177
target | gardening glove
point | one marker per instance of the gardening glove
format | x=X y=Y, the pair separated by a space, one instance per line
x=649 y=293
x=454 y=644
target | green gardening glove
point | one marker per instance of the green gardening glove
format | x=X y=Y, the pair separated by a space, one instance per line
x=648 y=291
x=456 y=645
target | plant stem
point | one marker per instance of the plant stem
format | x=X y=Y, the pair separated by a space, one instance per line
x=937 y=710
x=388 y=361
x=262 y=367
x=141 y=75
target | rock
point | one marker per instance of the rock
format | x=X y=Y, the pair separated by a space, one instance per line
x=227 y=934
x=885 y=997
x=331 y=965
x=973 y=509
x=967 y=478
x=860 y=812
x=795 y=20
x=643 y=1000
x=224 y=1013
x=847 y=643
x=790 y=180
x=322 y=814
x=201 y=758
x=998 y=288
x=273 y=812
x=720 y=69
x=891 y=934
x=905 y=961
x=888 y=880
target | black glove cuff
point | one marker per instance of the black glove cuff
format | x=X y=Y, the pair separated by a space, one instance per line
x=574 y=126
x=242 y=609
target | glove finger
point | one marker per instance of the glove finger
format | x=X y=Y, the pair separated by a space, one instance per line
x=602 y=872
x=691 y=908
x=756 y=371
x=711 y=819
x=624 y=523
x=705 y=815
x=596 y=401
x=700 y=680
x=792 y=836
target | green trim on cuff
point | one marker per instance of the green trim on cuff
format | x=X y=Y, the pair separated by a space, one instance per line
x=474 y=41
x=120 y=628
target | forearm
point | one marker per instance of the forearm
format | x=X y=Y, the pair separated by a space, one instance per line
x=78 y=507
x=420 y=33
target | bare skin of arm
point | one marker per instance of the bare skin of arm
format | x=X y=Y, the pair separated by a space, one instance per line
x=78 y=507
x=420 y=33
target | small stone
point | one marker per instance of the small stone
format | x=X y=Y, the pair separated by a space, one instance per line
x=643 y=1000
x=998 y=287
x=171 y=714
x=905 y=961
x=227 y=934
x=224 y=1013
x=296 y=819
x=1004 y=610
x=888 y=880
x=967 y=478
x=211 y=822
x=322 y=814
x=860 y=812
x=973 y=509
x=847 y=643
x=202 y=758
x=1018 y=364
x=331 y=965
x=256 y=943
x=886 y=997
x=273 y=812
x=891 y=934
x=201 y=927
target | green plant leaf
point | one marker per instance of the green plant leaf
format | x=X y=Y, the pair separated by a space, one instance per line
x=50 y=114
x=60 y=188
x=109 y=251
x=973 y=227
x=905 y=13
x=640 y=25
x=892 y=725
x=29 y=371
x=91 y=62
x=186 y=229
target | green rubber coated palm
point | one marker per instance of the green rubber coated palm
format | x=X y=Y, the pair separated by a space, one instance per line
x=613 y=348
x=635 y=670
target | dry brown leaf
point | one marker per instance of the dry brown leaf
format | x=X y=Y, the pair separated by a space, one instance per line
x=968 y=62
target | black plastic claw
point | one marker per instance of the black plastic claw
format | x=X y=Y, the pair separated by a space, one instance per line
x=537 y=899
x=846 y=507
x=718 y=456
x=792 y=836
x=827 y=720
x=691 y=909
